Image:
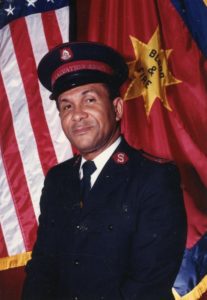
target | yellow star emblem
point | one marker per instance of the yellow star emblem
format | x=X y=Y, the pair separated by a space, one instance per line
x=149 y=73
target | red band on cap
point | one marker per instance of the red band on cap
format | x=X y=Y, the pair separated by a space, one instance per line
x=80 y=65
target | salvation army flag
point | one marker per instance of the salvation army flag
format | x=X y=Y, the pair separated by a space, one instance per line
x=31 y=138
x=165 y=100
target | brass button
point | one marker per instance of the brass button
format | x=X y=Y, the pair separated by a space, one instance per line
x=110 y=227
x=76 y=262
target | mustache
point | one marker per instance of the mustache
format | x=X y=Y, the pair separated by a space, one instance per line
x=81 y=125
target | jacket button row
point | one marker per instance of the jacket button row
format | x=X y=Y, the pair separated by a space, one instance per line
x=82 y=227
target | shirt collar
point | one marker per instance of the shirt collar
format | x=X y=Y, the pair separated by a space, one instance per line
x=103 y=157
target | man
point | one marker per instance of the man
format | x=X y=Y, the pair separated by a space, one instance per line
x=115 y=227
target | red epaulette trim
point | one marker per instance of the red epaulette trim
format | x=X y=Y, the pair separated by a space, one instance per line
x=154 y=158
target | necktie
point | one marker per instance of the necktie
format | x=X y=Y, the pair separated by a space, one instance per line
x=88 y=168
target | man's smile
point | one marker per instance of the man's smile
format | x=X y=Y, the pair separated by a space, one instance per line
x=81 y=129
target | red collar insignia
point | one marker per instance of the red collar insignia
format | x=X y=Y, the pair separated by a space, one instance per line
x=120 y=158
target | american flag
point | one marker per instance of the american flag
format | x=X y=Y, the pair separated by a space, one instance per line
x=31 y=139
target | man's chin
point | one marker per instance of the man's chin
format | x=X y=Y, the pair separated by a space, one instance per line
x=83 y=147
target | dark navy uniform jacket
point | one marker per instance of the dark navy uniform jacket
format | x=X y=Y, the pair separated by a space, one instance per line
x=125 y=243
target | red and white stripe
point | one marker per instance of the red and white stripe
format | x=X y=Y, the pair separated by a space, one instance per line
x=31 y=137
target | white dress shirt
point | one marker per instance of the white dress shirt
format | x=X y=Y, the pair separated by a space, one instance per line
x=100 y=161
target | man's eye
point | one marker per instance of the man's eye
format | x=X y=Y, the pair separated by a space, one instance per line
x=90 y=100
x=67 y=107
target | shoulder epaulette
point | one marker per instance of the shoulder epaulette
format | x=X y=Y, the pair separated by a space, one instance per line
x=154 y=158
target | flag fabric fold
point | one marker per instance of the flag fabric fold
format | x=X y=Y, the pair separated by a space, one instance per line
x=165 y=100
x=165 y=45
x=194 y=14
x=31 y=139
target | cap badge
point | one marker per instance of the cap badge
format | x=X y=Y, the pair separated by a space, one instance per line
x=65 y=54
x=120 y=158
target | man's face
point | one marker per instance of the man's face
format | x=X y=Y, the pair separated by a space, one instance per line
x=89 y=118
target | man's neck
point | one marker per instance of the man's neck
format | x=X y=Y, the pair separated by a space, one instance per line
x=93 y=154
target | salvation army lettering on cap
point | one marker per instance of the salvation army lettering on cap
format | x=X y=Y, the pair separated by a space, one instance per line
x=79 y=66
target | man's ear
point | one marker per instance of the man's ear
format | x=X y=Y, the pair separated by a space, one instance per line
x=118 y=107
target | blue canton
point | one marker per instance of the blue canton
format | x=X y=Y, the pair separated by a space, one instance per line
x=13 y=9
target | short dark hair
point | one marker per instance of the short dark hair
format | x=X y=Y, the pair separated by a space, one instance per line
x=113 y=91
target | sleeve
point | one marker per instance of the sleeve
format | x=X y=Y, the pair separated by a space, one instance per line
x=159 y=242
x=41 y=269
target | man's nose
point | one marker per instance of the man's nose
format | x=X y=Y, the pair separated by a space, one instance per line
x=79 y=113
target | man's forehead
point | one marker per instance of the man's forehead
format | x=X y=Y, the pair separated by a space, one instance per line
x=85 y=89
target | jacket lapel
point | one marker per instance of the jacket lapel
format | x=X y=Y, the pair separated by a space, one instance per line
x=71 y=185
x=112 y=177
